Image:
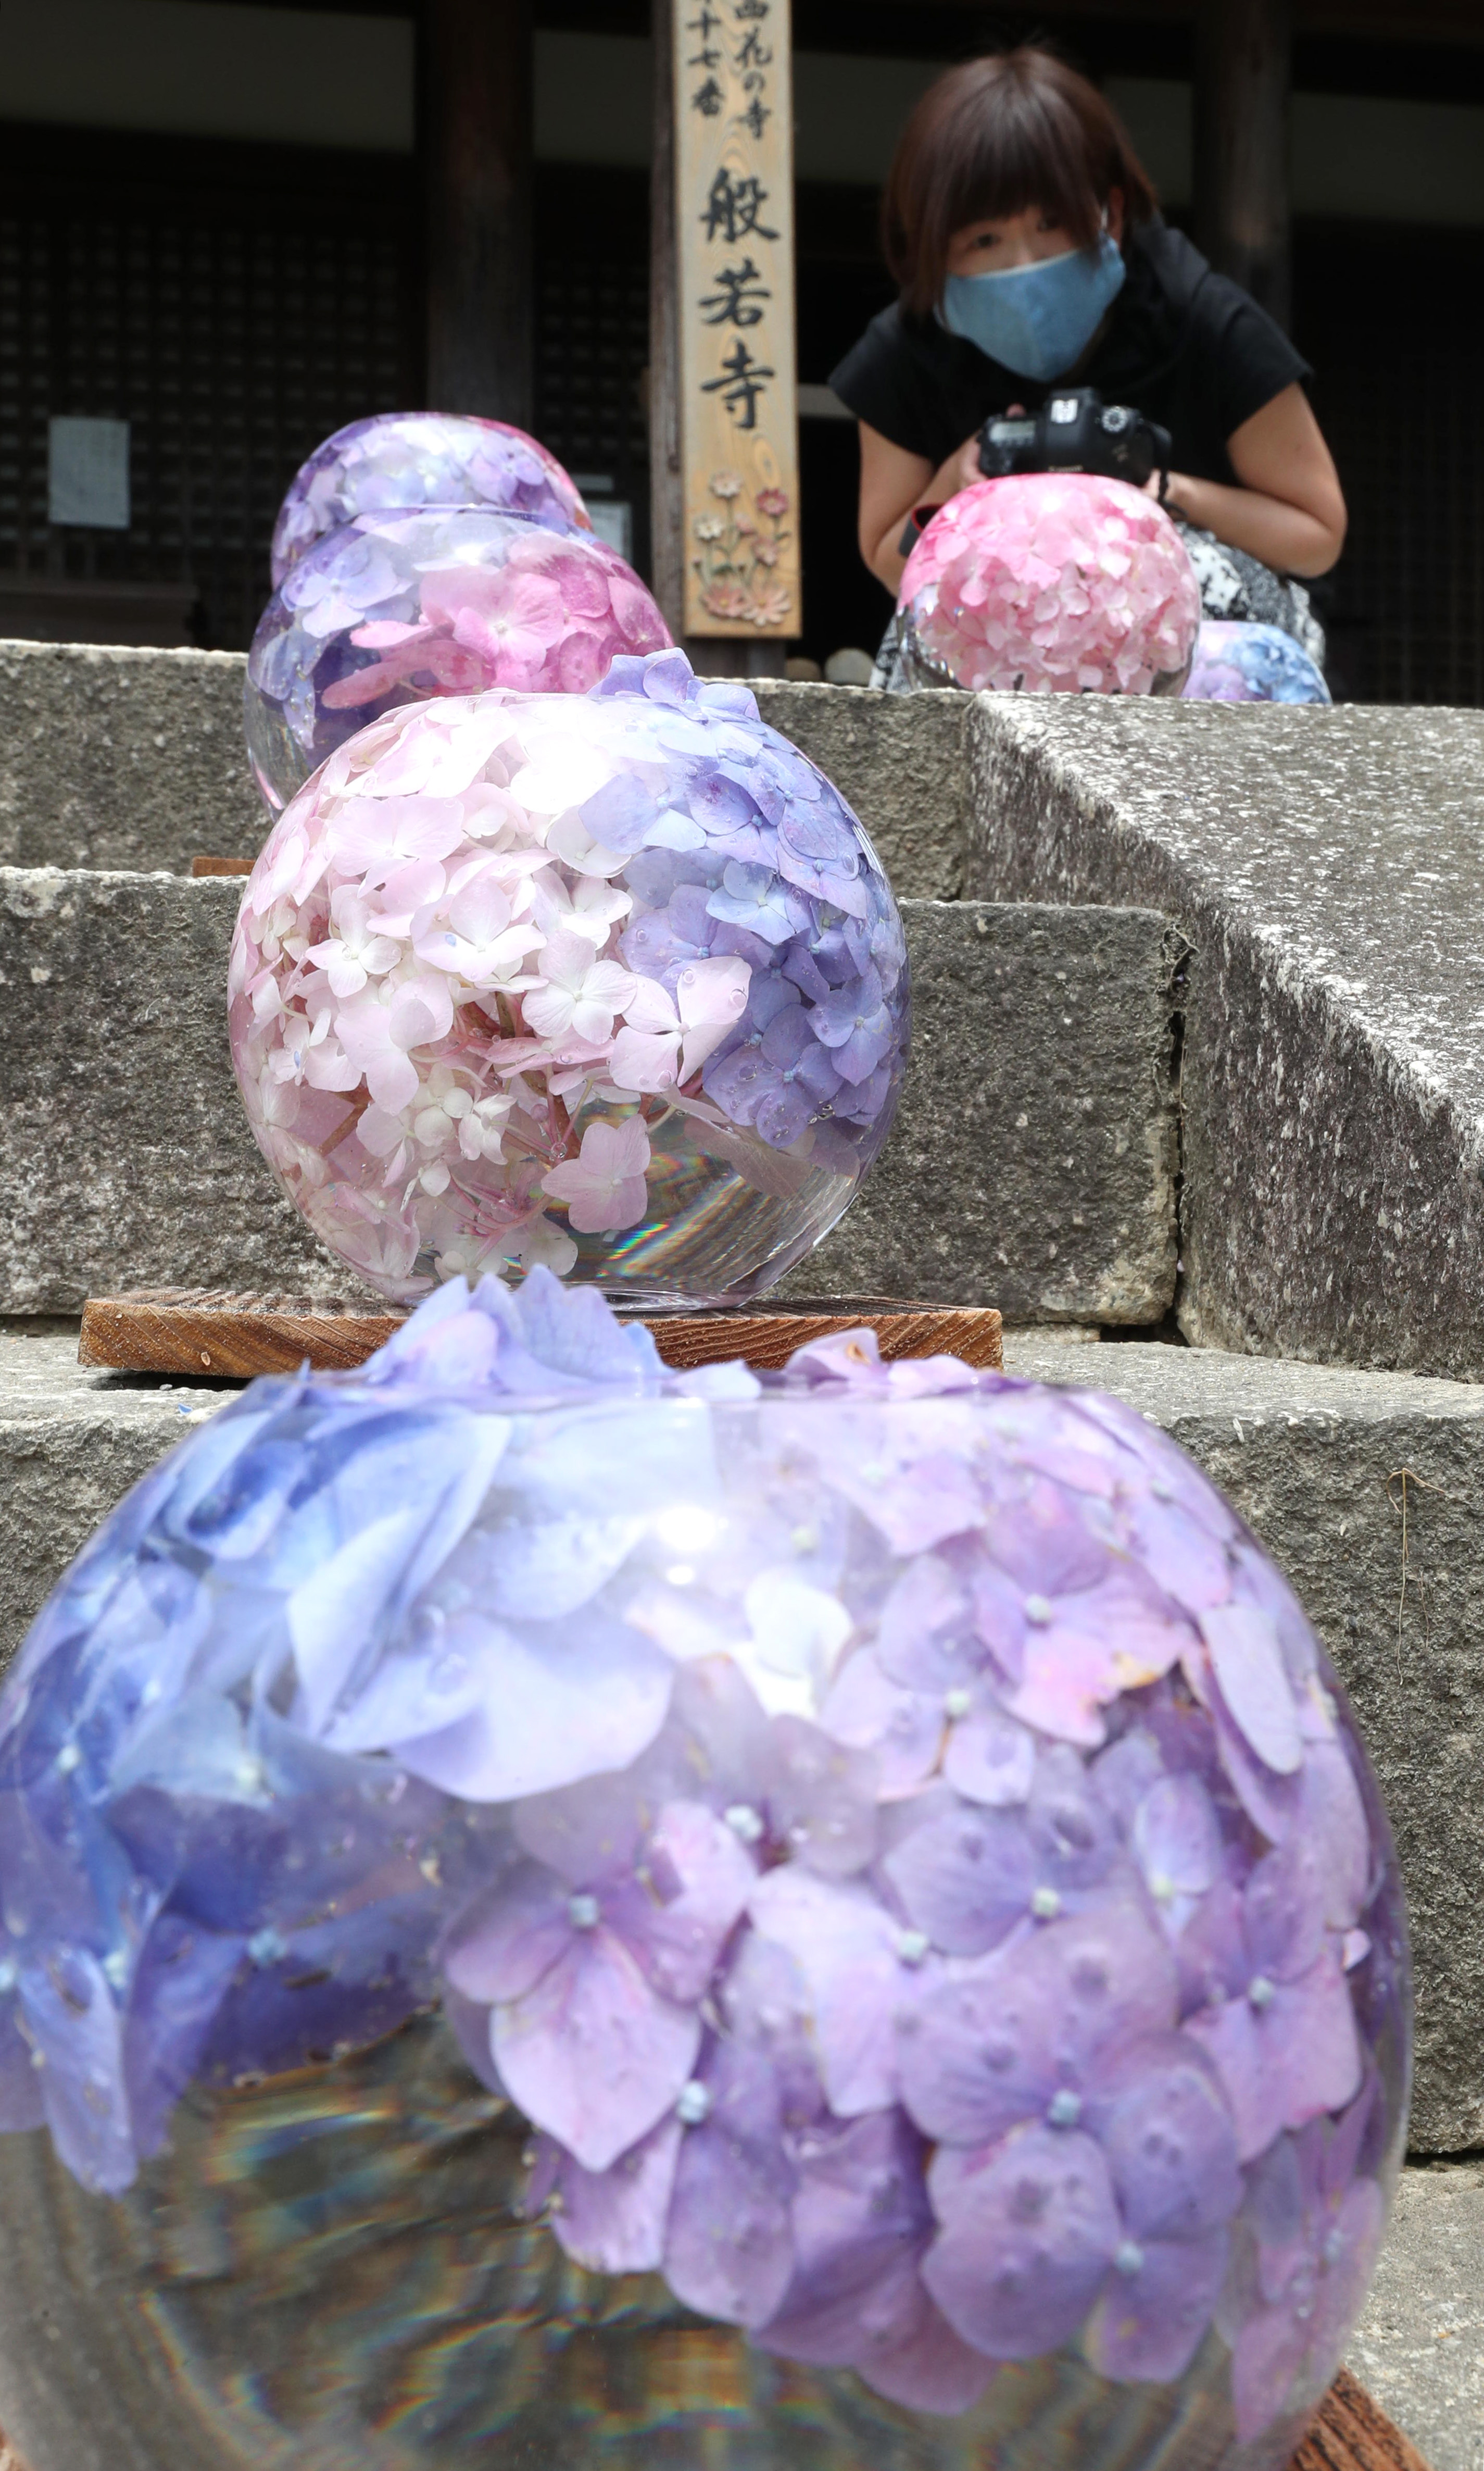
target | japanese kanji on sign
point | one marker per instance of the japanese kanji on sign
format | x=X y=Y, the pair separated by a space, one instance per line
x=734 y=218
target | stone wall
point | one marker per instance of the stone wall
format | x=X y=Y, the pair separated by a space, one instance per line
x=1033 y=1158
x=1327 y=867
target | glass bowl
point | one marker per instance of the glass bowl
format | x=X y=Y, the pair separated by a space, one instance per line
x=1049 y=583
x=396 y=607
x=1240 y=661
x=555 y=1912
x=613 y=981
x=399 y=460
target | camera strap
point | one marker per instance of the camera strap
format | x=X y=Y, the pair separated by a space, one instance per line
x=915 y=526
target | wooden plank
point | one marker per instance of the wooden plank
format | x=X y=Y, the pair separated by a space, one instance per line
x=731 y=82
x=190 y=1330
x=204 y=866
x=1354 y=2434
x=179 y=1330
x=767 y=1340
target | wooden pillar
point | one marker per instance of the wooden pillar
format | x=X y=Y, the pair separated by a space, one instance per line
x=666 y=485
x=1243 y=76
x=477 y=106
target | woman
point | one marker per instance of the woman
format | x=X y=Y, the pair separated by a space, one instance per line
x=1024 y=234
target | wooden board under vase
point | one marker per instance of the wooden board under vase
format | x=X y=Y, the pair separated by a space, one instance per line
x=210 y=1335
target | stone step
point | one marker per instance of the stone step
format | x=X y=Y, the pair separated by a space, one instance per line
x=1328 y=867
x=1033 y=1166
x=118 y=758
x=1325 y=865
x=1313 y=1457
x=129 y=759
x=1419 y=2347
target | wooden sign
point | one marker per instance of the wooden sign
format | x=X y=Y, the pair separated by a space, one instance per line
x=733 y=105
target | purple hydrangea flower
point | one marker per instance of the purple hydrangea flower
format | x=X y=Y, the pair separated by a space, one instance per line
x=855 y=1025
x=884 y=1826
x=595 y=1958
x=1087 y=2164
x=1316 y=2214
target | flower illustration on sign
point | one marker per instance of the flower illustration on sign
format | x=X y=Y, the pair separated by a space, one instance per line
x=735 y=555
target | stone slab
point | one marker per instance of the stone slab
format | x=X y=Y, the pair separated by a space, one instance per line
x=899 y=761
x=129 y=759
x=1328 y=866
x=116 y=758
x=70 y=1444
x=1033 y=1158
x=126 y=1160
x=1319 y=1460
x=1420 y=2344
x=1033 y=1167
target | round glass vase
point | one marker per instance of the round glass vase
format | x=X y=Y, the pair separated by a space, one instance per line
x=1049 y=583
x=1240 y=661
x=564 y=1913
x=402 y=460
x=395 y=608
x=612 y=983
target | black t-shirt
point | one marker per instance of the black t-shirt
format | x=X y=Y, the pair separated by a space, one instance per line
x=1184 y=345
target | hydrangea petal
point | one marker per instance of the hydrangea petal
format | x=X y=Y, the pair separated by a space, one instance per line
x=1150 y=2321
x=614 y=2220
x=1022 y=2255
x=592 y=2053
x=1249 y=1665
x=730 y=2249
x=560 y=1701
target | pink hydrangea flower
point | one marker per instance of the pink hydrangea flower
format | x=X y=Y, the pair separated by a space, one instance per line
x=1050 y=582
x=445 y=600
x=490 y=997
x=603 y=1187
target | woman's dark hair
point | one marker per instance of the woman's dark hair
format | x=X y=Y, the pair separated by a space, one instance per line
x=992 y=137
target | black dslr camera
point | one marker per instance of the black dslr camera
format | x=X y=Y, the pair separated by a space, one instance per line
x=1075 y=431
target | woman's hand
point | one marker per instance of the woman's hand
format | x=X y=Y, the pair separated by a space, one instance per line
x=892 y=483
x=1289 y=510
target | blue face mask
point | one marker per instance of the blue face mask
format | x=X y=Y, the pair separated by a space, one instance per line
x=1036 y=320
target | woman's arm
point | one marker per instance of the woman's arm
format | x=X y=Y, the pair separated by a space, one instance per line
x=892 y=483
x=1289 y=510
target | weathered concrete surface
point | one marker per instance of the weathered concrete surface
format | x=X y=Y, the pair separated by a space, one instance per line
x=70 y=1444
x=1034 y=1165
x=126 y=1158
x=1420 y=2344
x=1319 y=1461
x=1033 y=1158
x=1327 y=865
x=899 y=761
x=118 y=758
x=113 y=758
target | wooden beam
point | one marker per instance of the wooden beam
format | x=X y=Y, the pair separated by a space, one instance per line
x=1402 y=21
x=667 y=480
x=1244 y=77
x=477 y=97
